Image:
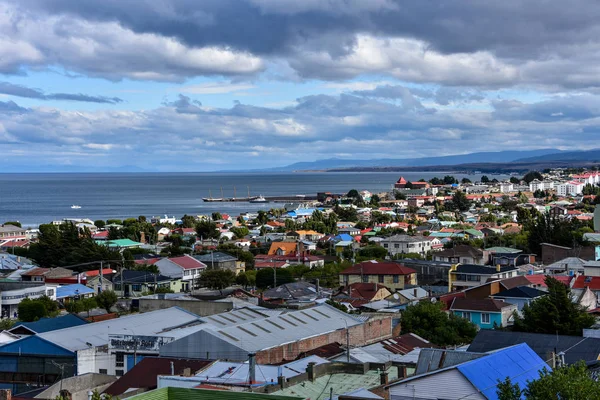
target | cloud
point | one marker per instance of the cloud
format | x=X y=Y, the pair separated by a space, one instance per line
x=185 y=133
x=24 y=91
x=215 y=88
x=483 y=44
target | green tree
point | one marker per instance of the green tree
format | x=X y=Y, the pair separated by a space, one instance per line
x=353 y=193
x=188 y=221
x=485 y=179
x=373 y=252
x=514 y=180
x=100 y=223
x=216 y=216
x=262 y=217
x=459 y=201
x=465 y=181
x=13 y=223
x=430 y=321
x=106 y=299
x=207 y=230
x=554 y=313
x=449 y=180
x=571 y=382
x=31 y=310
x=217 y=278
x=264 y=277
x=240 y=232
x=348 y=214
x=398 y=195
x=531 y=176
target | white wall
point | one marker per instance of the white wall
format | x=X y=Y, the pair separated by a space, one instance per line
x=448 y=385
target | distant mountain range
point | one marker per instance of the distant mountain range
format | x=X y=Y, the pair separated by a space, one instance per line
x=471 y=158
x=578 y=156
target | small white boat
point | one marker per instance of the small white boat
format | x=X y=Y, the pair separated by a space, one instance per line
x=75 y=207
x=259 y=199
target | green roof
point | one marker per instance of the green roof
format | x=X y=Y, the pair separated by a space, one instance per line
x=341 y=383
x=509 y=250
x=371 y=233
x=473 y=232
x=173 y=393
x=120 y=243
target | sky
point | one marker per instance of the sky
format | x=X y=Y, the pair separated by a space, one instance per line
x=187 y=85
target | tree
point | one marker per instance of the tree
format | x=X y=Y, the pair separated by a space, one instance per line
x=373 y=252
x=567 y=382
x=13 y=223
x=207 y=230
x=99 y=223
x=188 y=221
x=31 y=310
x=106 y=299
x=262 y=217
x=485 y=179
x=554 y=313
x=398 y=195
x=514 y=180
x=449 y=180
x=460 y=201
x=431 y=322
x=217 y=278
x=264 y=277
x=465 y=181
x=346 y=213
x=531 y=176
x=240 y=232
x=216 y=216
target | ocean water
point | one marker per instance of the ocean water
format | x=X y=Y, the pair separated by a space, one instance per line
x=33 y=199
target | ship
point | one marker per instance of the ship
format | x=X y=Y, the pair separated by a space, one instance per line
x=259 y=199
x=75 y=207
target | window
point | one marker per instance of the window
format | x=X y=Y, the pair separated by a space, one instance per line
x=120 y=360
x=380 y=278
x=385 y=245
x=485 y=318
x=466 y=315
x=136 y=288
x=396 y=279
x=365 y=278
x=50 y=292
x=396 y=245
x=119 y=372
x=117 y=286
x=103 y=371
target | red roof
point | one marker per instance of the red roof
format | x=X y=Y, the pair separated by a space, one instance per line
x=538 y=279
x=100 y=235
x=582 y=281
x=401 y=180
x=96 y=272
x=147 y=261
x=366 y=291
x=187 y=262
x=16 y=243
x=378 y=268
x=37 y=271
x=268 y=264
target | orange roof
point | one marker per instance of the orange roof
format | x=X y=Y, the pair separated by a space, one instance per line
x=286 y=247
x=96 y=272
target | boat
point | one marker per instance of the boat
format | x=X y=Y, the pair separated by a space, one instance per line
x=259 y=199
x=75 y=207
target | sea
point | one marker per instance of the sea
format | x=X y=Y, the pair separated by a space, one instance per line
x=36 y=198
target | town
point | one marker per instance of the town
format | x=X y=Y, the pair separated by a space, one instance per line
x=439 y=289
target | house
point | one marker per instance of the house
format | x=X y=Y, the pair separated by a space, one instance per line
x=284 y=248
x=544 y=345
x=47 y=325
x=461 y=253
x=100 y=282
x=12 y=297
x=568 y=266
x=55 y=275
x=538 y=280
x=358 y=294
x=519 y=296
x=475 y=379
x=131 y=283
x=352 y=231
x=463 y=276
x=185 y=267
x=485 y=313
x=552 y=253
x=393 y=275
x=403 y=244
x=304 y=235
x=507 y=256
x=76 y=291
x=399 y=349
x=296 y=292
x=220 y=260
x=12 y=233
x=143 y=376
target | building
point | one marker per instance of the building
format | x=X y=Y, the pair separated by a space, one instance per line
x=476 y=379
x=404 y=244
x=463 y=276
x=220 y=260
x=12 y=233
x=394 y=276
x=358 y=294
x=572 y=188
x=279 y=337
x=131 y=283
x=176 y=393
x=536 y=185
x=47 y=325
x=519 y=296
x=50 y=275
x=485 y=313
x=284 y=248
x=305 y=235
x=507 y=256
x=186 y=268
x=12 y=298
x=461 y=253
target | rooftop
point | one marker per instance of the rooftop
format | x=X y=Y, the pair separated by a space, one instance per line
x=216 y=256
x=523 y=292
x=173 y=393
x=187 y=262
x=481 y=269
x=378 y=268
x=488 y=305
x=76 y=289
x=49 y=324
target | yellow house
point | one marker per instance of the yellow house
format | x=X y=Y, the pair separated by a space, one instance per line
x=393 y=275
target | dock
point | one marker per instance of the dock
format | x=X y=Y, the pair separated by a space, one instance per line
x=269 y=199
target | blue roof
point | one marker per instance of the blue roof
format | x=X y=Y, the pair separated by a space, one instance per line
x=344 y=237
x=52 y=324
x=519 y=362
x=35 y=345
x=72 y=290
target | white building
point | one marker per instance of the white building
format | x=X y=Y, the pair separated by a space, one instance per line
x=403 y=244
x=12 y=298
x=185 y=267
x=572 y=188
x=540 y=185
x=506 y=187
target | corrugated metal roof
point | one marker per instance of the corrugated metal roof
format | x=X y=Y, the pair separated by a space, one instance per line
x=286 y=328
x=76 y=289
x=96 y=334
x=433 y=359
x=172 y=393
x=51 y=324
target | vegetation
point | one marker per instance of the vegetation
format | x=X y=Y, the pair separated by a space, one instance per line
x=264 y=277
x=240 y=232
x=531 y=176
x=87 y=304
x=33 y=309
x=207 y=230
x=430 y=321
x=564 y=383
x=106 y=300
x=217 y=278
x=554 y=313
x=13 y=223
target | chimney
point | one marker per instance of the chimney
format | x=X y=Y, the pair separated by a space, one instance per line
x=415 y=292
x=310 y=370
x=172 y=368
x=497 y=267
x=187 y=372
x=383 y=378
x=318 y=287
x=5 y=394
x=252 y=368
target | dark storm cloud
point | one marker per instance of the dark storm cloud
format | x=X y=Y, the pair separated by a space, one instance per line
x=24 y=91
